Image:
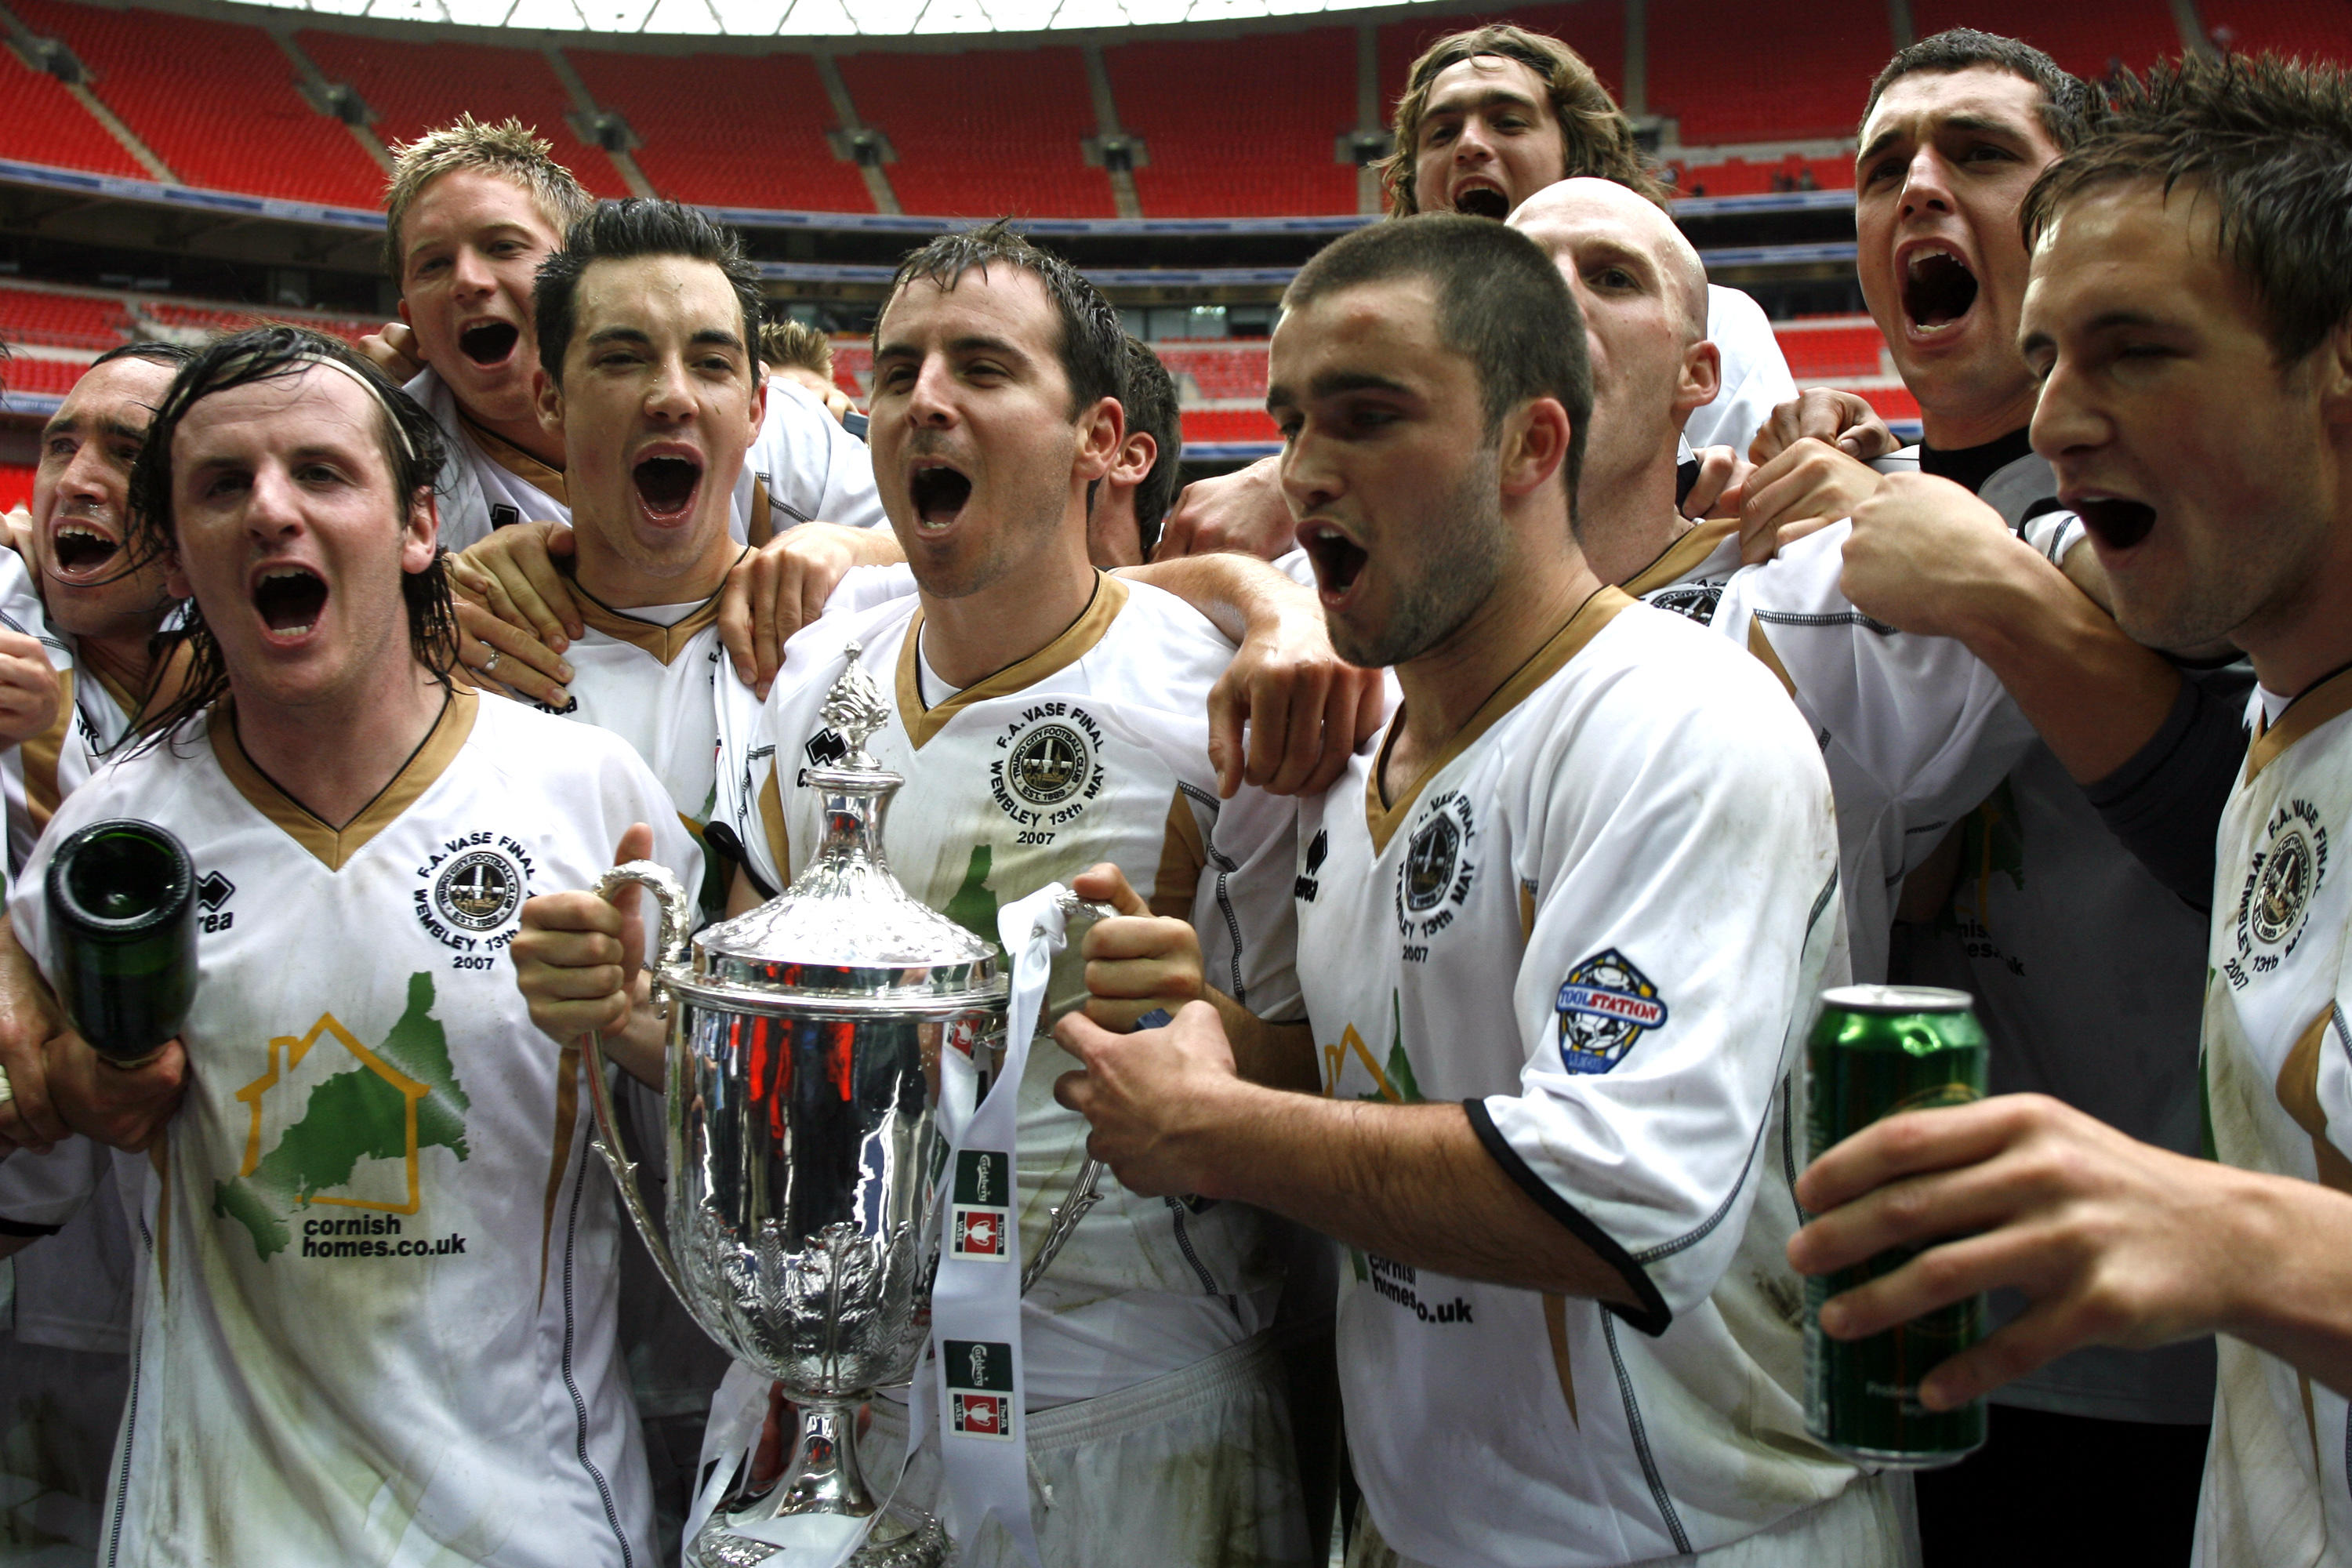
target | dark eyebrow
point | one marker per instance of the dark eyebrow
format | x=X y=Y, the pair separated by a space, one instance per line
x=1976 y=123
x=60 y=423
x=718 y=337
x=617 y=335
x=975 y=343
x=120 y=431
x=1333 y=383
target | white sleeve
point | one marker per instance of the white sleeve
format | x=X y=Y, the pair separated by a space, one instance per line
x=815 y=472
x=1756 y=378
x=862 y=587
x=47 y=1190
x=2055 y=534
x=1685 y=909
x=1242 y=908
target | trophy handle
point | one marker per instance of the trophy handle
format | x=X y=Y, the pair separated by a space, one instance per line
x=666 y=949
x=1085 y=1190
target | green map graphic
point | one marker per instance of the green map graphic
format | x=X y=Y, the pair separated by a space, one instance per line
x=973 y=906
x=1399 y=1068
x=354 y=1116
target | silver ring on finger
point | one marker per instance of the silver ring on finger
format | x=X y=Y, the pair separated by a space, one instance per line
x=7 y=1090
x=491 y=663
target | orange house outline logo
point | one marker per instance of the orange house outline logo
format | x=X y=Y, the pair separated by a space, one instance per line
x=286 y=1053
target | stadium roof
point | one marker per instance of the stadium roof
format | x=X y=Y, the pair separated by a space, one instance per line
x=823 y=18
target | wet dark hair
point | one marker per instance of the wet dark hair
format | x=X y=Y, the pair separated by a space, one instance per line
x=1149 y=399
x=1501 y=304
x=412 y=449
x=2269 y=142
x=622 y=231
x=1094 y=345
x=154 y=352
x=2066 y=101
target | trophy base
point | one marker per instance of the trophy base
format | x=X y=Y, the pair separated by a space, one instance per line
x=901 y=1538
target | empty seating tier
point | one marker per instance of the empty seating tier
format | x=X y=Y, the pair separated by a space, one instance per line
x=1240 y=127
x=719 y=160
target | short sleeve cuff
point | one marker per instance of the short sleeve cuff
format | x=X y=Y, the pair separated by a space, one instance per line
x=1651 y=1316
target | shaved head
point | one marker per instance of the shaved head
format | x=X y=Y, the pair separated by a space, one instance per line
x=1578 y=215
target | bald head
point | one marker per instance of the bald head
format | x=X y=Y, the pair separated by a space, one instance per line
x=1584 y=224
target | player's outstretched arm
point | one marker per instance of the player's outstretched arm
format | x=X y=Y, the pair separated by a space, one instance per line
x=29 y=691
x=2115 y=1242
x=1170 y=1115
x=1928 y=557
x=580 y=965
x=1243 y=510
x=783 y=585
x=29 y=1015
x=1306 y=709
x=515 y=614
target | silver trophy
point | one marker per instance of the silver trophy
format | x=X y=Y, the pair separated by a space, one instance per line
x=802 y=1087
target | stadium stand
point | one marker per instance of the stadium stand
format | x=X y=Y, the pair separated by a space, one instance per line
x=206 y=319
x=2085 y=37
x=1203 y=425
x=42 y=123
x=1593 y=28
x=96 y=323
x=164 y=75
x=1029 y=110
x=414 y=87
x=1739 y=177
x=1239 y=127
x=16 y=484
x=1757 y=79
x=2315 y=30
x=1833 y=349
x=691 y=154
x=46 y=377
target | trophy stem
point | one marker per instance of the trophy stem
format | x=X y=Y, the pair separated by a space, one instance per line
x=824 y=1476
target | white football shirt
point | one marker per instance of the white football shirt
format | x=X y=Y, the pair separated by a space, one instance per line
x=375 y=1324
x=1598 y=921
x=93 y=714
x=1095 y=747
x=2278 y=1090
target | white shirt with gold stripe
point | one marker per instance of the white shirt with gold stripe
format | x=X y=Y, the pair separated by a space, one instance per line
x=93 y=714
x=1598 y=921
x=2278 y=1087
x=374 y=1322
x=1095 y=747
x=802 y=468
x=1915 y=731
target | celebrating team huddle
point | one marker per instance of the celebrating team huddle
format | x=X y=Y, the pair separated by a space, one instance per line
x=1304 y=1051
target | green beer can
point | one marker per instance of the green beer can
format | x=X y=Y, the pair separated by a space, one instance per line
x=1875 y=1050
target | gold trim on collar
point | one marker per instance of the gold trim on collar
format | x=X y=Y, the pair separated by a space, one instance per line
x=1697 y=543
x=2329 y=700
x=515 y=461
x=1546 y=661
x=664 y=642
x=335 y=845
x=922 y=723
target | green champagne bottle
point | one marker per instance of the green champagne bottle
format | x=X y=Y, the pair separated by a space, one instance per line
x=122 y=936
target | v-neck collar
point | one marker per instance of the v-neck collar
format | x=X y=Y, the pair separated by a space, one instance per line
x=923 y=721
x=334 y=846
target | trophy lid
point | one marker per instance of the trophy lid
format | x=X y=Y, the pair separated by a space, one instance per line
x=844 y=935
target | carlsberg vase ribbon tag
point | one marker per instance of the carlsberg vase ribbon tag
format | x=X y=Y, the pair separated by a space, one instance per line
x=976 y=1300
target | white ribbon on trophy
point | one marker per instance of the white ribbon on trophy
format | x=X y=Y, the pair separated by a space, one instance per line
x=976 y=1299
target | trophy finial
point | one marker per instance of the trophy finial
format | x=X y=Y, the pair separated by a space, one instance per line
x=854 y=709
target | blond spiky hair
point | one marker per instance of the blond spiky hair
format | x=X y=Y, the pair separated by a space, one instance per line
x=511 y=149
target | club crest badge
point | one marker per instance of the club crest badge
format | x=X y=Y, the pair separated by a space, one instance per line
x=1049 y=764
x=1438 y=870
x=1605 y=1006
x=980 y=1387
x=979 y=1216
x=1692 y=601
x=2274 y=901
x=477 y=891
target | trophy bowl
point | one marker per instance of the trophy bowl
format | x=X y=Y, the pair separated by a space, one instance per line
x=801 y=1114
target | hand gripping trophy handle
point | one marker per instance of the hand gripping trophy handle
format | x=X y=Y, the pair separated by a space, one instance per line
x=666 y=950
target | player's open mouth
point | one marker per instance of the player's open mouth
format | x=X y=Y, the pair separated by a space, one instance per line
x=1338 y=559
x=666 y=485
x=1937 y=289
x=489 y=343
x=289 y=599
x=1482 y=201
x=938 y=493
x=81 y=551
x=2115 y=522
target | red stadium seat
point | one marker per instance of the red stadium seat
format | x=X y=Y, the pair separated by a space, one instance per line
x=1240 y=127
x=1832 y=350
x=53 y=377
x=1206 y=424
x=984 y=132
x=1732 y=73
x=236 y=318
x=418 y=87
x=41 y=123
x=163 y=74
x=1739 y=177
x=60 y=321
x=2083 y=36
x=2311 y=30
x=16 y=484
x=691 y=154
